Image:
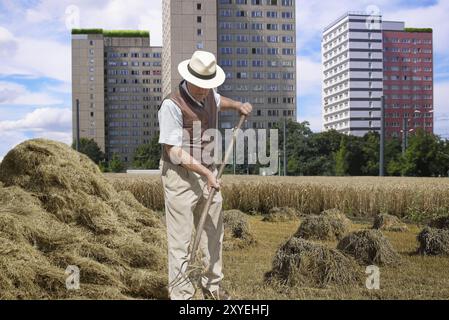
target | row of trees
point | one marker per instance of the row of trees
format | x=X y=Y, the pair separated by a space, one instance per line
x=333 y=153
x=146 y=156
x=326 y=153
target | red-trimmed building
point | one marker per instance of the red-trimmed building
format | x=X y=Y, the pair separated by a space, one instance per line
x=408 y=79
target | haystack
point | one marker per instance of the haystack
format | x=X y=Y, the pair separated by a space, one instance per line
x=281 y=214
x=304 y=263
x=237 y=231
x=440 y=223
x=388 y=222
x=434 y=241
x=329 y=225
x=369 y=247
x=57 y=210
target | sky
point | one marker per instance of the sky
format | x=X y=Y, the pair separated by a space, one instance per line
x=35 y=55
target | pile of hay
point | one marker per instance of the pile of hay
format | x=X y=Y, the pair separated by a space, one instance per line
x=440 y=223
x=281 y=214
x=57 y=210
x=433 y=241
x=329 y=225
x=237 y=233
x=369 y=247
x=304 y=263
x=389 y=223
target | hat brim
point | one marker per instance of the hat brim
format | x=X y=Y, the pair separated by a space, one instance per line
x=217 y=81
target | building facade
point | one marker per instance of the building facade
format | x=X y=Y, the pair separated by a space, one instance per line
x=254 y=42
x=117 y=84
x=352 y=74
x=188 y=25
x=408 y=81
x=365 y=58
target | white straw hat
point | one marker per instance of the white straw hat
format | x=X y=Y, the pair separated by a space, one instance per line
x=202 y=70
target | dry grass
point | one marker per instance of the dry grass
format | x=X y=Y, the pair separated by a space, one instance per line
x=388 y=222
x=237 y=232
x=419 y=277
x=416 y=198
x=57 y=209
x=369 y=247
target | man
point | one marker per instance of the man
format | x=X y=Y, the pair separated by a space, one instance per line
x=187 y=179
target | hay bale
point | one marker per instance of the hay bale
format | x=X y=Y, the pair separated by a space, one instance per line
x=388 y=222
x=237 y=233
x=433 y=241
x=369 y=247
x=329 y=225
x=281 y=214
x=440 y=223
x=57 y=209
x=304 y=263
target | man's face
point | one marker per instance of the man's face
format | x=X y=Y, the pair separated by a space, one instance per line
x=198 y=93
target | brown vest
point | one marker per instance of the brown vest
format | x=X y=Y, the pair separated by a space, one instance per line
x=193 y=112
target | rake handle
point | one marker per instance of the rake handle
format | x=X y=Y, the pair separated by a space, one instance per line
x=200 y=227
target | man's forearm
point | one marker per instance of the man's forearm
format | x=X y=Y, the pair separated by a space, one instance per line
x=227 y=103
x=187 y=161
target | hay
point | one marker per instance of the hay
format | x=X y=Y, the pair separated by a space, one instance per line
x=389 y=223
x=56 y=210
x=281 y=214
x=433 y=241
x=440 y=223
x=329 y=225
x=237 y=233
x=304 y=263
x=369 y=247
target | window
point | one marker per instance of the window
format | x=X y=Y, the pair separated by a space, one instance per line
x=200 y=45
x=199 y=32
x=198 y=6
x=198 y=19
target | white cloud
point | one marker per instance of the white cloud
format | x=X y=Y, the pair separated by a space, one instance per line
x=34 y=57
x=41 y=120
x=13 y=93
x=308 y=75
x=50 y=123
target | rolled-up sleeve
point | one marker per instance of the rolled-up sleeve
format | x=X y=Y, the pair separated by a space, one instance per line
x=217 y=98
x=170 y=124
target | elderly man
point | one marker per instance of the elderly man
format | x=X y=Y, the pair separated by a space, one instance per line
x=187 y=179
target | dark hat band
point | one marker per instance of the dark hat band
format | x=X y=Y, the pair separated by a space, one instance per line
x=201 y=76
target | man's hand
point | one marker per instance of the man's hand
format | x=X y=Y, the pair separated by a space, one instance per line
x=212 y=182
x=246 y=108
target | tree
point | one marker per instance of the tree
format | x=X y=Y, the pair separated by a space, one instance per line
x=90 y=148
x=147 y=156
x=341 y=164
x=423 y=155
x=115 y=164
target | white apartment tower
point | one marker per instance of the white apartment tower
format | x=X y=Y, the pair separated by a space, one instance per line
x=352 y=74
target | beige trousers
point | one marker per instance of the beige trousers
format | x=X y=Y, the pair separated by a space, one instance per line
x=185 y=194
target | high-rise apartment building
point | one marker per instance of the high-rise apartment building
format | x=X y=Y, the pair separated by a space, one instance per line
x=254 y=42
x=117 y=84
x=408 y=80
x=365 y=58
x=352 y=74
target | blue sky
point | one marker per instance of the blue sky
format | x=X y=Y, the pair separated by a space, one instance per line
x=35 y=85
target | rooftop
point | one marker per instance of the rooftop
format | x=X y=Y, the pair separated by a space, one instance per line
x=347 y=14
x=114 y=33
